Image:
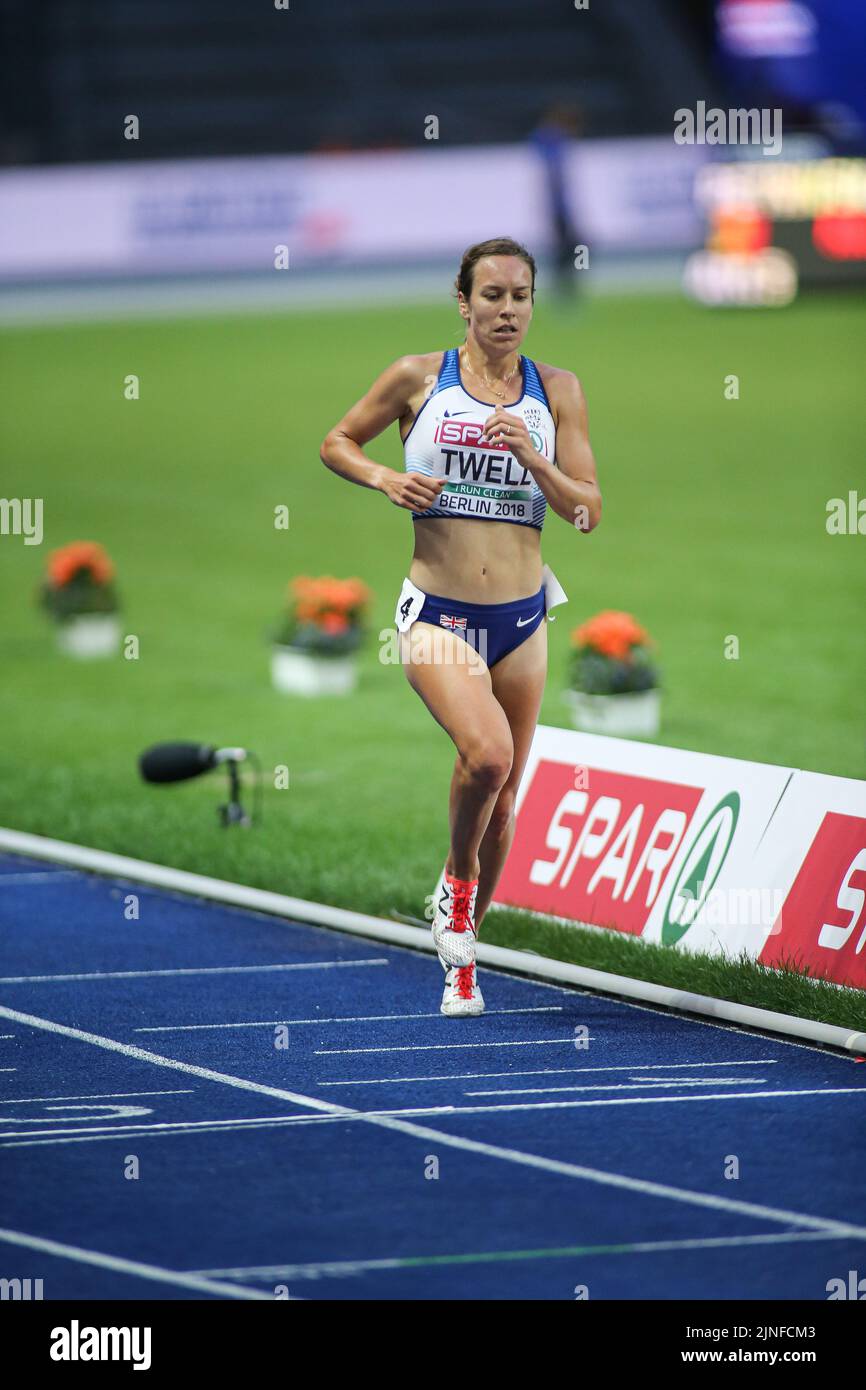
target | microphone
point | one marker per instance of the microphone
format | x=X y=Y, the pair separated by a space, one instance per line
x=176 y=762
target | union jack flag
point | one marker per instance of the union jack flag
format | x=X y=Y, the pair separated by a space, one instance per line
x=447 y=621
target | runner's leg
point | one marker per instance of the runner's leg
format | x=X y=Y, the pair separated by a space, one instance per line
x=455 y=685
x=517 y=682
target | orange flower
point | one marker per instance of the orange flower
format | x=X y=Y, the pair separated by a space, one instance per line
x=350 y=593
x=65 y=563
x=334 y=622
x=612 y=633
x=315 y=598
x=302 y=587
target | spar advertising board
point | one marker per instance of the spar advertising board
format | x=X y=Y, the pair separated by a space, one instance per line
x=657 y=842
x=815 y=852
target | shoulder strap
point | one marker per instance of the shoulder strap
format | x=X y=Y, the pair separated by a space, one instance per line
x=534 y=384
x=449 y=374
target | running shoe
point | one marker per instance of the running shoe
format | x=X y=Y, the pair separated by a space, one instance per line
x=453 y=922
x=462 y=995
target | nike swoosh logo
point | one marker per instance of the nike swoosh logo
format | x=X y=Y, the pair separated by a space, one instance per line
x=521 y=622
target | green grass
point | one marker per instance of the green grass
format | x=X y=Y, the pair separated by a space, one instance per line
x=714 y=525
x=742 y=980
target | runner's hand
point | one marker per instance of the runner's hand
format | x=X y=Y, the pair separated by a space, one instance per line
x=412 y=490
x=503 y=428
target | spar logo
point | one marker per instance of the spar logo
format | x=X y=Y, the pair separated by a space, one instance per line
x=458 y=432
x=700 y=869
x=601 y=853
x=469 y=433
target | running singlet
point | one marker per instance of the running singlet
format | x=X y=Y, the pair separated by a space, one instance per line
x=482 y=481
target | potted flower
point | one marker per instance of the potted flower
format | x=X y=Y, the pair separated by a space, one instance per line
x=78 y=593
x=315 y=644
x=614 y=682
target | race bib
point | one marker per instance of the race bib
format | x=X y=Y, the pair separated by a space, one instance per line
x=409 y=605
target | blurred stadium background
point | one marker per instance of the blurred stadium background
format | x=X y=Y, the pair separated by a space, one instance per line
x=156 y=156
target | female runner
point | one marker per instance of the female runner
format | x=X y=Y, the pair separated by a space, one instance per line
x=491 y=439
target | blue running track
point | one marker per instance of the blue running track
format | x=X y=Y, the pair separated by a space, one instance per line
x=158 y=1140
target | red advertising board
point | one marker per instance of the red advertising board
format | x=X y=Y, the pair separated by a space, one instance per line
x=822 y=924
x=594 y=845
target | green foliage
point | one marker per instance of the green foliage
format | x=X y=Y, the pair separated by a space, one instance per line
x=81 y=595
x=310 y=637
x=597 y=674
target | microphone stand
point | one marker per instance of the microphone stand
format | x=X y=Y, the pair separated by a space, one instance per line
x=233 y=813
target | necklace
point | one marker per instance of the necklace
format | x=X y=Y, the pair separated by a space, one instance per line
x=489 y=384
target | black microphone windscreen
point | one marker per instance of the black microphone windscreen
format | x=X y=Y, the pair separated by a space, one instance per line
x=174 y=762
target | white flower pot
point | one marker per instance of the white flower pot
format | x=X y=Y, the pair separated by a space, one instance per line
x=636 y=714
x=89 y=635
x=295 y=672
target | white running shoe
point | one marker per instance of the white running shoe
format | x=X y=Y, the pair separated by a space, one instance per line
x=454 y=922
x=462 y=995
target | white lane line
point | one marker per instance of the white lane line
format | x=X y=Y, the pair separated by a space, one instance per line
x=141 y=1129
x=133 y=1267
x=445 y=1047
x=197 y=970
x=346 y=1267
x=361 y=1018
x=636 y=1100
x=541 y=1071
x=211 y=1126
x=98 y=1095
x=596 y=997
x=23 y=1139
x=455 y=1141
x=639 y=1084
x=8 y=1068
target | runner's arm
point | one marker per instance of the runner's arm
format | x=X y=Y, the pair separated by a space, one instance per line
x=572 y=487
x=386 y=401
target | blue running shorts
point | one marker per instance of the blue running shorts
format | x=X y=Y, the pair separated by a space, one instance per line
x=493 y=629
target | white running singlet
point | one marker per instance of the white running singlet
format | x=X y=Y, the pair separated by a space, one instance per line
x=482 y=481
